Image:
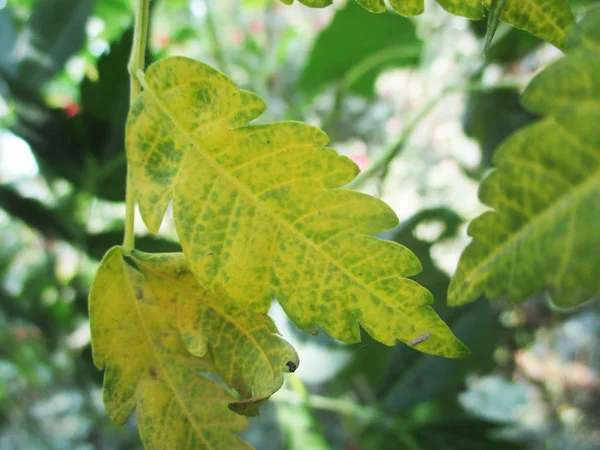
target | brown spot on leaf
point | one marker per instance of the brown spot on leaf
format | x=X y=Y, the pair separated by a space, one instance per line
x=139 y=293
x=153 y=374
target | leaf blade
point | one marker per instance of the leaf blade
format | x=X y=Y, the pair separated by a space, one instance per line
x=541 y=234
x=146 y=364
x=266 y=216
x=245 y=348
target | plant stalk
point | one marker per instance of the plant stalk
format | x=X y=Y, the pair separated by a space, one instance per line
x=136 y=62
x=396 y=147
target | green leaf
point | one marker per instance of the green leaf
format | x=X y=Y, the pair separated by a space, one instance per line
x=543 y=231
x=492 y=116
x=147 y=365
x=356 y=47
x=245 y=352
x=513 y=45
x=36 y=215
x=55 y=30
x=547 y=19
x=258 y=211
x=472 y=9
x=496 y=8
x=8 y=39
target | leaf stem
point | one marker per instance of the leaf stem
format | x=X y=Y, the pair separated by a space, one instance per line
x=369 y=414
x=136 y=62
x=396 y=147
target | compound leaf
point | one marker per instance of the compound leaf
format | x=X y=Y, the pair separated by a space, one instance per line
x=543 y=231
x=243 y=348
x=546 y=19
x=147 y=365
x=258 y=211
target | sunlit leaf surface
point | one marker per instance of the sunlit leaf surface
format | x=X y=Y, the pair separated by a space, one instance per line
x=258 y=211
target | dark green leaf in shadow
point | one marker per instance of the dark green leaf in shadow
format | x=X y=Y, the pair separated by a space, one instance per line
x=490 y=117
x=51 y=224
x=512 y=46
x=36 y=215
x=8 y=39
x=55 y=31
x=97 y=244
x=356 y=47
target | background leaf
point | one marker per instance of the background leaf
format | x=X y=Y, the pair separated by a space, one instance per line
x=356 y=47
x=542 y=232
x=54 y=32
x=490 y=117
x=547 y=19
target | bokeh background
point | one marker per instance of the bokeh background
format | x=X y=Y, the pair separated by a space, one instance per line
x=413 y=102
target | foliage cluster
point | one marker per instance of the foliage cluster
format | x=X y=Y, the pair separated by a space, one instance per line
x=264 y=211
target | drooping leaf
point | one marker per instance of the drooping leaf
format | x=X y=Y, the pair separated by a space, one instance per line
x=257 y=211
x=356 y=47
x=543 y=231
x=547 y=19
x=147 y=365
x=242 y=345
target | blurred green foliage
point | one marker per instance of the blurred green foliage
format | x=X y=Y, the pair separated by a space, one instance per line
x=64 y=97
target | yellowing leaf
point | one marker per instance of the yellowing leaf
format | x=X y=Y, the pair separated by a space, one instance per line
x=544 y=230
x=147 y=365
x=258 y=211
x=245 y=352
x=546 y=19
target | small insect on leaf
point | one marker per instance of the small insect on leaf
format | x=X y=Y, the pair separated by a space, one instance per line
x=420 y=339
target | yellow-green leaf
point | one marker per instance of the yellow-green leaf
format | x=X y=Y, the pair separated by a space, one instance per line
x=147 y=365
x=546 y=19
x=544 y=230
x=259 y=211
x=472 y=9
x=242 y=345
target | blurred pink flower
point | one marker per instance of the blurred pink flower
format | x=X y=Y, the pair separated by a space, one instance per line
x=71 y=109
x=362 y=161
x=237 y=35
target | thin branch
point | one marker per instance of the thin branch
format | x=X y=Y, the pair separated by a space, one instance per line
x=398 y=144
x=213 y=35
